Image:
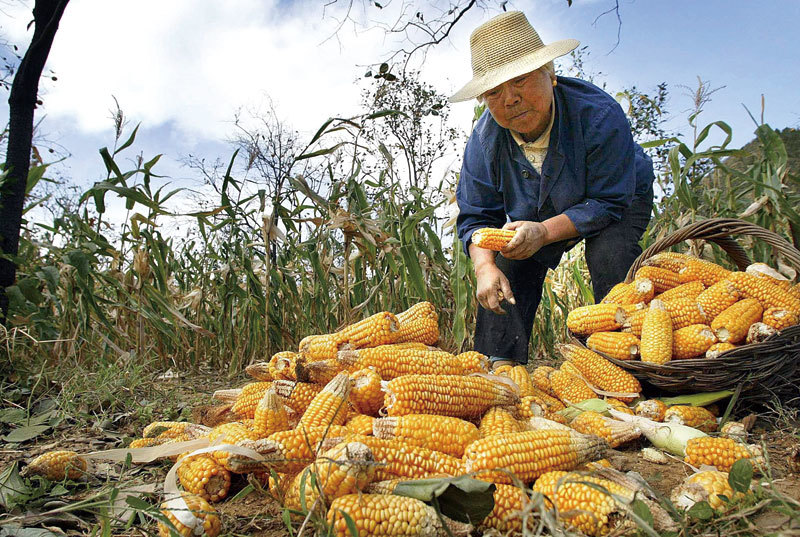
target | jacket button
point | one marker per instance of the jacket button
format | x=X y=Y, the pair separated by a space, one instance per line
x=525 y=174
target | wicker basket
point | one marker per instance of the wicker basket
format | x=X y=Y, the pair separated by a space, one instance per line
x=761 y=371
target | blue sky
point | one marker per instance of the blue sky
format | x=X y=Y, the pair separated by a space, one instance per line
x=182 y=68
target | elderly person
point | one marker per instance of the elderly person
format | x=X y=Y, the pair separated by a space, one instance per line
x=554 y=159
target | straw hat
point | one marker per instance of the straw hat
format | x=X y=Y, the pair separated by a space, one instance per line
x=505 y=47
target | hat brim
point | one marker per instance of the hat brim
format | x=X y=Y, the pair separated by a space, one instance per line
x=525 y=64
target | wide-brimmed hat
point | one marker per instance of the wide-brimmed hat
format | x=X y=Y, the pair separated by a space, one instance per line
x=505 y=47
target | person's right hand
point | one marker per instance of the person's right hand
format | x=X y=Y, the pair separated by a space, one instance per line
x=492 y=288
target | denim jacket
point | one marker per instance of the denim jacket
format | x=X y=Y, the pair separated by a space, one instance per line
x=592 y=171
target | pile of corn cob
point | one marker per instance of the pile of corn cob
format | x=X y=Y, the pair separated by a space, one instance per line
x=350 y=414
x=681 y=307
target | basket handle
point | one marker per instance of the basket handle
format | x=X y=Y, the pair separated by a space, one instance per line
x=720 y=231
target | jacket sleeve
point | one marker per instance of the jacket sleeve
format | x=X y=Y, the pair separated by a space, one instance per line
x=610 y=173
x=479 y=202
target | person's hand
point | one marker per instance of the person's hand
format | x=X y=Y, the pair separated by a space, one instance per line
x=492 y=287
x=530 y=237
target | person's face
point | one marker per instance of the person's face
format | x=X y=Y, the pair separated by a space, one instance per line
x=523 y=103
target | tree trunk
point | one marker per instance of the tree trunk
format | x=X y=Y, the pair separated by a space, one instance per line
x=22 y=102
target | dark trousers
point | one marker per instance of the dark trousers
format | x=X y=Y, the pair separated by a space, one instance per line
x=609 y=255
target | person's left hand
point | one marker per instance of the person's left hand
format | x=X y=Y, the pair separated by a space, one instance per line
x=530 y=237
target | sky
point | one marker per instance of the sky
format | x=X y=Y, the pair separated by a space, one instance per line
x=182 y=68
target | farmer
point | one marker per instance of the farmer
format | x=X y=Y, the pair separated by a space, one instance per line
x=554 y=159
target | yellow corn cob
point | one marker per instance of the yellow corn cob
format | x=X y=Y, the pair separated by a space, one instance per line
x=226 y=396
x=497 y=421
x=329 y=407
x=692 y=341
x=717 y=299
x=732 y=324
x=613 y=431
x=520 y=376
x=705 y=486
x=379 y=329
x=419 y=323
x=759 y=332
x=766 y=292
x=639 y=290
x=344 y=469
x=762 y=270
x=619 y=345
x=384 y=515
x=492 y=238
x=735 y=430
x=229 y=433
x=779 y=318
x=630 y=309
x=280 y=366
x=247 y=401
x=716 y=349
x=446 y=395
x=586 y=320
x=673 y=261
x=439 y=433
x=57 y=465
x=473 y=362
x=259 y=371
x=506 y=515
x=296 y=395
x=569 y=367
x=532 y=405
x=529 y=454
x=569 y=388
x=541 y=379
x=705 y=271
x=684 y=312
x=686 y=290
x=663 y=279
x=366 y=395
x=656 y=334
x=317 y=348
x=720 y=452
x=209 y=524
x=584 y=502
x=204 y=476
x=270 y=416
x=360 y=424
x=390 y=361
x=164 y=429
x=621 y=406
x=137 y=443
x=693 y=416
x=551 y=403
x=320 y=372
x=601 y=373
x=652 y=409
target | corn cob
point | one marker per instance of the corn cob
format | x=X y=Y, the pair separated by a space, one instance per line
x=529 y=454
x=498 y=421
x=282 y=365
x=762 y=270
x=692 y=341
x=656 y=334
x=137 y=443
x=654 y=455
x=621 y=406
x=507 y=516
x=533 y=406
x=384 y=515
x=366 y=395
x=550 y=403
x=419 y=323
x=732 y=324
x=682 y=312
x=541 y=379
x=639 y=290
x=601 y=373
x=208 y=521
x=568 y=367
x=379 y=329
x=613 y=431
x=226 y=396
x=204 y=476
x=521 y=378
x=446 y=395
x=630 y=309
x=247 y=401
x=779 y=319
x=735 y=430
x=473 y=362
x=270 y=416
x=619 y=345
x=259 y=371
x=759 y=332
x=767 y=293
x=705 y=271
x=319 y=372
x=673 y=261
x=439 y=433
x=391 y=362
x=717 y=299
x=57 y=466
x=693 y=416
x=329 y=407
x=584 y=502
x=686 y=290
x=720 y=452
x=344 y=469
x=297 y=395
x=360 y=424
x=569 y=388
x=663 y=279
x=492 y=238
x=229 y=433
x=715 y=350
x=707 y=486
x=652 y=409
x=539 y=423
x=586 y=320
x=317 y=348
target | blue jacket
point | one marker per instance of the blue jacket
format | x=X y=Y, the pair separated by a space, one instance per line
x=592 y=171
